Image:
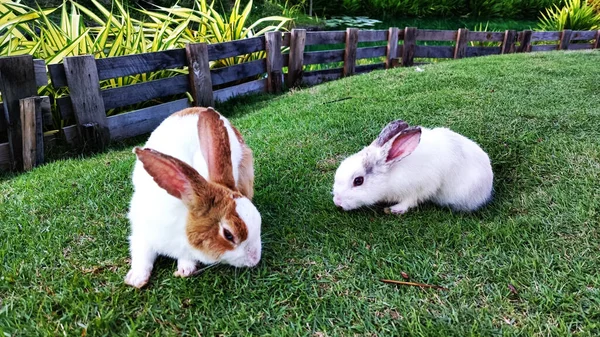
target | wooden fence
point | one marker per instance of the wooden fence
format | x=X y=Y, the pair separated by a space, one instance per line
x=190 y=74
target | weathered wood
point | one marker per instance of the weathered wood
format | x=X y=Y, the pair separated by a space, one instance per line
x=296 y=57
x=482 y=51
x=144 y=91
x=580 y=46
x=31 y=127
x=544 y=36
x=287 y=36
x=57 y=75
x=17 y=80
x=409 y=46
x=120 y=66
x=238 y=72
x=86 y=98
x=486 y=36
x=5 y=158
x=242 y=89
x=372 y=35
x=565 y=39
x=326 y=56
x=434 y=52
x=274 y=62
x=543 y=47
x=47 y=119
x=524 y=41
x=579 y=35
x=65 y=107
x=333 y=37
x=508 y=44
x=315 y=77
x=70 y=135
x=597 y=43
x=200 y=80
x=144 y=120
x=41 y=77
x=391 y=54
x=285 y=59
x=223 y=50
x=350 y=51
x=370 y=52
x=462 y=37
x=369 y=67
x=435 y=35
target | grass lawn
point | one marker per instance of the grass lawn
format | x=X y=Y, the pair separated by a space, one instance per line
x=527 y=264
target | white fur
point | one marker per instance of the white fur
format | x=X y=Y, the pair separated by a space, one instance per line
x=446 y=168
x=158 y=220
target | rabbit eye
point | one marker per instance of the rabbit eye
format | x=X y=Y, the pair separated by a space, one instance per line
x=227 y=234
x=358 y=181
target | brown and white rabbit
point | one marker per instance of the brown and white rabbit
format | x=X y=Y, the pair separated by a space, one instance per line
x=193 y=183
x=409 y=165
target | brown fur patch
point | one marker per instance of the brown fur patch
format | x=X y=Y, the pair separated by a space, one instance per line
x=246 y=173
x=190 y=111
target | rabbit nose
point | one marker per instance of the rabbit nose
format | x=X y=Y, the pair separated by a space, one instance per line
x=337 y=200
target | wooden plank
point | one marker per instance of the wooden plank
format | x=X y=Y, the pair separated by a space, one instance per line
x=438 y=52
x=369 y=67
x=200 y=80
x=57 y=75
x=524 y=41
x=543 y=47
x=287 y=36
x=435 y=35
x=86 y=99
x=238 y=72
x=372 y=35
x=120 y=66
x=47 y=119
x=462 y=38
x=508 y=44
x=17 y=80
x=486 y=36
x=326 y=56
x=65 y=107
x=582 y=35
x=144 y=120
x=242 y=89
x=597 y=43
x=565 y=39
x=274 y=62
x=391 y=54
x=482 y=51
x=333 y=37
x=545 y=36
x=350 y=51
x=223 y=50
x=296 y=57
x=5 y=158
x=370 y=52
x=409 y=46
x=311 y=78
x=144 y=91
x=31 y=128
x=581 y=46
x=41 y=77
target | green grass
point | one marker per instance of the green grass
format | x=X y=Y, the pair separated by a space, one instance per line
x=64 y=250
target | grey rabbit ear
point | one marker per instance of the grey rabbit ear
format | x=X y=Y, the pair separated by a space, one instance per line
x=390 y=131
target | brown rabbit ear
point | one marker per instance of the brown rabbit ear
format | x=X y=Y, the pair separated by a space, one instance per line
x=173 y=175
x=390 y=131
x=214 y=144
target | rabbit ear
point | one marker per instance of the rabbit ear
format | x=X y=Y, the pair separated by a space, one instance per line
x=391 y=130
x=404 y=144
x=214 y=144
x=173 y=175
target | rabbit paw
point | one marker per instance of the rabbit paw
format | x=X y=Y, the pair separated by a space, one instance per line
x=400 y=208
x=137 y=278
x=185 y=268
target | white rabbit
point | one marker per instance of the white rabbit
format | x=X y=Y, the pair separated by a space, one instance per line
x=409 y=165
x=192 y=188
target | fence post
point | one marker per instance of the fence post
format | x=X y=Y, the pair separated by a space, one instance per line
x=524 y=42
x=296 y=57
x=565 y=39
x=32 y=131
x=408 y=50
x=199 y=74
x=462 y=37
x=274 y=62
x=350 y=52
x=391 y=57
x=87 y=101
x=17 y=80
x=508 y=44
x=597 y=43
